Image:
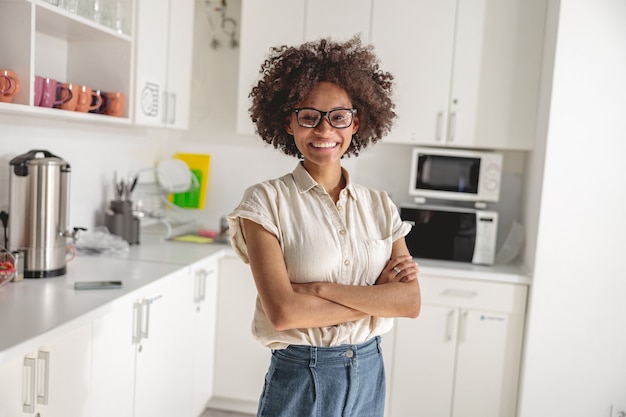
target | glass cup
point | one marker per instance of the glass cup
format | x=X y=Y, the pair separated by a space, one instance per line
x=70 y=5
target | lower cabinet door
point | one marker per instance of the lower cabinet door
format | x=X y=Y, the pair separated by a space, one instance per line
x=204 y=311
x=67 y=360
x=53 y=380
x=487 y=367
x=163 y=368
x=113 y=371
x=422 y=375
x=11 y=383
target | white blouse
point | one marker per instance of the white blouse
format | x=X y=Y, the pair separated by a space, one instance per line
x=349 y=243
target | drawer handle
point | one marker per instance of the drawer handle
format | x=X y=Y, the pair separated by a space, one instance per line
x=459 y=293
x=28 y=385
x=44 y=382
x=450 y=321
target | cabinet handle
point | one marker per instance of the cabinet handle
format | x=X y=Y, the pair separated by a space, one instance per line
x=452 y=127
x=165 y=107
x=44 y=377
x=145 y=319
x=439 y=127
x=137 y=322
x=463 y=326
x=171 y=108
x=450 y=326
x=28 y=385
x=453 y=292
x=201 y=276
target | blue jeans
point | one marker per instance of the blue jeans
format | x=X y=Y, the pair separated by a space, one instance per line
x=310 y=381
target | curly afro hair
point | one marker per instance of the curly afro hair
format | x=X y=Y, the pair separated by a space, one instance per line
x=289 y=74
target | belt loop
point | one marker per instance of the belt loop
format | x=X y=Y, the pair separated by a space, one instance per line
x=313 y=360
x=380 y=349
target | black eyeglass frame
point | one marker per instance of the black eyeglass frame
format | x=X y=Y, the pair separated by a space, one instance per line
x=324 y=114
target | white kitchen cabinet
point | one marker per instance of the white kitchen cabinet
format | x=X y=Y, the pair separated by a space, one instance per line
x=461 y=356
x=467 y=73
x=164 y=62
x=37 y=38
x=154 y=353
x=113 y=372
x=162 y=369
x=52 y=380
x=202 y=338
x=141 y=353
x=241 y=361
x=289 y=22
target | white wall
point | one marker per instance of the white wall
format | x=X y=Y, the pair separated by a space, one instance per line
x=575 y=356
x=93 y=151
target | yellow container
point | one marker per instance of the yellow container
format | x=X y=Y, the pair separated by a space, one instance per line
x=199 y=164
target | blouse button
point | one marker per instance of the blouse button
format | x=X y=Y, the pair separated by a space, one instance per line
x=342 y=232
x=346 y=262
x=339 y=207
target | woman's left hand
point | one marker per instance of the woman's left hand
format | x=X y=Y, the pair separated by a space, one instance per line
x=399 y=269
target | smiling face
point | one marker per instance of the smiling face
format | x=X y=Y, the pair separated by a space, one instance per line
x=323 y=145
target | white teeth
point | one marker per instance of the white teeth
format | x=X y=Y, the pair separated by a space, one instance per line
x=324 y=145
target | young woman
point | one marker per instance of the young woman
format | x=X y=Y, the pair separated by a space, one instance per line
x=328 y=256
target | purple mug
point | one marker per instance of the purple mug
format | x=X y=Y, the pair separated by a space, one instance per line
x=49 y=90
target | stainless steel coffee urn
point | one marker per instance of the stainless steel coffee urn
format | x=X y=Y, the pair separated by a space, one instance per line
x=39 y=185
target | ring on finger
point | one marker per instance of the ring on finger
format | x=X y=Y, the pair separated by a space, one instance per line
x=398 y=270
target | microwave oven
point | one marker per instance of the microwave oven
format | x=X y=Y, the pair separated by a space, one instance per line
x=451 y=233
x=455 y=174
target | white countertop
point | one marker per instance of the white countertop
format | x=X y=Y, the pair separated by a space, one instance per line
x=33 y=311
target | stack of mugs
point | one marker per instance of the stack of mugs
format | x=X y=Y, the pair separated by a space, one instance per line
x=77 y=97
x=66 y=96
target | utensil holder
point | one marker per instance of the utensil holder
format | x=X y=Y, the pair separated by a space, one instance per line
x=121 y=221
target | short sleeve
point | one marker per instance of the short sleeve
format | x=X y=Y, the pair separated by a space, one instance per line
x=399 y=228
x=257 y=205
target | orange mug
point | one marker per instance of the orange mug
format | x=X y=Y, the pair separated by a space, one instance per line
x=9 y=85
x=116 y=104
x=71 y=103
x=87 y=99
x=104 y=100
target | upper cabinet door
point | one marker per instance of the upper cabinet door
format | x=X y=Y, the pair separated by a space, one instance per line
x=338 y=19
x=264 y=24
x=467 y=71
x=151 y=62
x=497 y=72
x=414 y=41
x=164 y=62
x=180 y=62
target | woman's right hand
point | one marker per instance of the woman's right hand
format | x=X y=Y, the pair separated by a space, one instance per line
x=399 y=269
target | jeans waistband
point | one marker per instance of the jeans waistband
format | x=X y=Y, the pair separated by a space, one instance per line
x=316 y=354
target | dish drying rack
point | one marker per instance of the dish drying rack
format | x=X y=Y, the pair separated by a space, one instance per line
x=158 y=215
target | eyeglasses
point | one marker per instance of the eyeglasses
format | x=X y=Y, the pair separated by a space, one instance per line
x=311 y=118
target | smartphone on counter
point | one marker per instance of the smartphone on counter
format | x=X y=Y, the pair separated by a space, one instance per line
x=97 y=285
